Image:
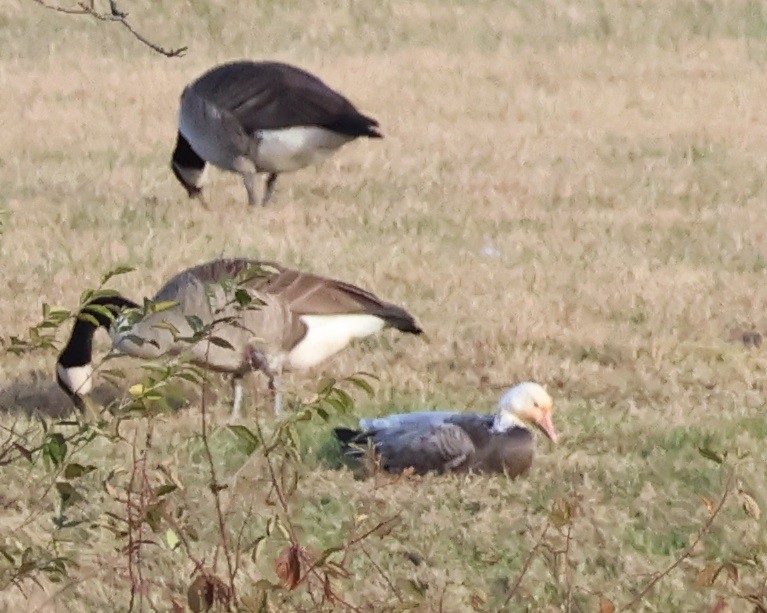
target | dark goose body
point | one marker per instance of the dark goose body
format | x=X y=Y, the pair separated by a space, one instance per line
x=302 y=319
x=251 y=117
x=445 y=442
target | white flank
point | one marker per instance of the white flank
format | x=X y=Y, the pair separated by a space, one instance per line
x=290 y=149
x=328 y=334
x=78 y=379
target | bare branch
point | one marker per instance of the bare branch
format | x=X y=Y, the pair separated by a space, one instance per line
x=116 y=15
x=526 y=565
x=689 y=549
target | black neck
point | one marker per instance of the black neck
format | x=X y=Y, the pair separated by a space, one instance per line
x=185 y=157
x=79 y=349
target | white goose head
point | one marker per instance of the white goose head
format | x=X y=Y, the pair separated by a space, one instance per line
x=525 y=404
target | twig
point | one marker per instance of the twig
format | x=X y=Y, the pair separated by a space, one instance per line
x=384 y=575
x=526 y=565
x=118 y=16
x=215 y=488
x=129 y=511
x=568 y=580
x=689 y=549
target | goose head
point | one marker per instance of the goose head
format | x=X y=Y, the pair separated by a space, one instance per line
x=527 y=404
x=189 y=168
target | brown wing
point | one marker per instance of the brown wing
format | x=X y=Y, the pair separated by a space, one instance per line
x=310 y=294
x=299 y=293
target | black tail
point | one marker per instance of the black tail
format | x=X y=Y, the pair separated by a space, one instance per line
x=402 y=320
x=355 y=124
x=352 y=441
x=79 y=349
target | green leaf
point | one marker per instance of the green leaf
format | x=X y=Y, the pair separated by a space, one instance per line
x=119 y=270
x=247 y=441
x=281 y=527
x=195 y=323
x=326 y=384
x=68 y=494
x=163 y=305
x=100 y=309
x=7 y=555
x=326 y=554
x=172 y=539
x=712 y=455
x=153 y=516
x=75 y=471
x=293 y=437
x=220 y=342
x=363 y=385
x=339 y=406
x=85 y=316
x=55 y=448
x=243 y=297
x=166 y=325
x=165 y=489
x=257 y=547
x=345 y=398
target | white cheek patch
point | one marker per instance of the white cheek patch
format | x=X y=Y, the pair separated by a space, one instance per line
x=77 y=379
x=193 y=176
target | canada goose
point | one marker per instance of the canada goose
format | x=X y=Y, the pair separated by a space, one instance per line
x=296 y=321
x=444 y=441
x=251 y=117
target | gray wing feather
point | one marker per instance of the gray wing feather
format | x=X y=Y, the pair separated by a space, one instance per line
x=422 y=419
x=429 y=447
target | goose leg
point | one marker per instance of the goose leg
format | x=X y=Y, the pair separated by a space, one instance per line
x=237 y=402
x=249 y=178
x=258 y=361
x=269 y=187
x=274 y=388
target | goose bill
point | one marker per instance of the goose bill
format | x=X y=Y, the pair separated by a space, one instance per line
x=546 y=426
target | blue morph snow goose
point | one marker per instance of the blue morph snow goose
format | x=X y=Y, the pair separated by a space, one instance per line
x=300 y=320
x=444 y=441
x=261 y=117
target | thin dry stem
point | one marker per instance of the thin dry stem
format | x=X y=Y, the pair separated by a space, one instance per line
x=689 y=549
x=526 y=565
x=118 y=16
x=215 y=489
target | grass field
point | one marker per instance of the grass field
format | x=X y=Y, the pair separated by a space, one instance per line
x=568 y=192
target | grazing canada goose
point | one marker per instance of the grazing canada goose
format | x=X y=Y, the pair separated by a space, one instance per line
x=444 y=441
x=251 y=117
x=295 y=320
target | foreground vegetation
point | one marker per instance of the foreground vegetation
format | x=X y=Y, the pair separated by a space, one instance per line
x=567 y=192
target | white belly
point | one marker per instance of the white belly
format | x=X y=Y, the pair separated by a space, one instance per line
x=328 y=334
x=290 y=149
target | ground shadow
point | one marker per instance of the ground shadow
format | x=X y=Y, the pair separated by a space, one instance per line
x=37 y=393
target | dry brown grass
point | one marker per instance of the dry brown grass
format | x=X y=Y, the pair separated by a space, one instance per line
x=567 y=192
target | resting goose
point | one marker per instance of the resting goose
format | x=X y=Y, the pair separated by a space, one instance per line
x=295 y=321
x=252 y=117
x=444 y=441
